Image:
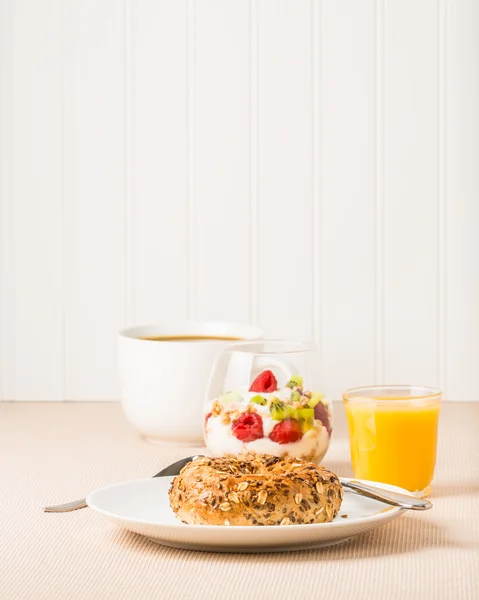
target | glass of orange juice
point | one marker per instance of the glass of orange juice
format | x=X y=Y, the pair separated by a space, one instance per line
x=393 y=434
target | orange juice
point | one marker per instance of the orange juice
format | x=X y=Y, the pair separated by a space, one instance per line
x=393 y=440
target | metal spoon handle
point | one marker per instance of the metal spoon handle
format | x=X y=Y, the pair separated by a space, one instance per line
x=387 y=496
x=66 y=507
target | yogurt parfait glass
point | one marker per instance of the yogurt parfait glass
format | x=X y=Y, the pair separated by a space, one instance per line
x=264 y=397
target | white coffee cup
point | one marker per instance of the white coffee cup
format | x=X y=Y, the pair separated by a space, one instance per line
x=164 y=382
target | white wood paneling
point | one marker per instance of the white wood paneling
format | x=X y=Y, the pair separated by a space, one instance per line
x=221 y=159
x=285 y=168
x=32 y=286
x=462 y=200
x=411 y=191
x=309 y=166
x=347 y=192
x=95 y=220
x=159 y=170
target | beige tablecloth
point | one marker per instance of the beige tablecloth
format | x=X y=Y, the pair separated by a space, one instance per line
x=50 y=453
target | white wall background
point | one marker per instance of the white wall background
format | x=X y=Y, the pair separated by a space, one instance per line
x=310 y=166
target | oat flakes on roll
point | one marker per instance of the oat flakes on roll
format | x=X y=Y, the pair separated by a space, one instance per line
x=261 y=490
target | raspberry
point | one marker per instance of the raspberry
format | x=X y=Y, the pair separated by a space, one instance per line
x=206 y=419
x=265 y=382
x=248 y=427
x=286 y=432
x=321 y=413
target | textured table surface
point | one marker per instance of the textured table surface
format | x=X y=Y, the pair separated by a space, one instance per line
x=50 y=453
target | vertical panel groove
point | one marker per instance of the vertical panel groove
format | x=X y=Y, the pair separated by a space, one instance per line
x=68 y=206
x=10 y=310
x=64 y=191
x=442 y=194
x=222 y=162
x=6 y=319
x=95 y=163
x=129 y=247
x=159 y=221
x=317 y=191
x=380 y=191
x=11 y=274
x=410 y=190
x=192 y=222
x=254 y=140
x=285 y=131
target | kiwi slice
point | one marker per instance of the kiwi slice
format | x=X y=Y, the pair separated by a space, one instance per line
x=231 y=398
x=295 y=396
x=306 y=418
x=281 y=411
x=295 y=381
x=258 y=399
x=315 y=398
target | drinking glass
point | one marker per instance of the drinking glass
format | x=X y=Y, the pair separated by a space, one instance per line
x=393 y=434
x=264 y=397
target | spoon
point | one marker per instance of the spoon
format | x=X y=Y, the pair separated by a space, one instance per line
x=363 y=489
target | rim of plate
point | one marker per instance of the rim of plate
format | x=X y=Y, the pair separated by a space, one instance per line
x=381 y=515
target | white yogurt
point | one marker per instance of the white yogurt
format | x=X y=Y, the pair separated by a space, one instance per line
x=302 y=447
x=219 y=438
x=221 y=441
x=268 y=424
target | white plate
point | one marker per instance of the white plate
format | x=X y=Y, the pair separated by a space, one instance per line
x=142 y=507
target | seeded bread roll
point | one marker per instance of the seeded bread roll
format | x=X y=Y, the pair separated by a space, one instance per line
x=261 y=490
